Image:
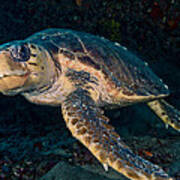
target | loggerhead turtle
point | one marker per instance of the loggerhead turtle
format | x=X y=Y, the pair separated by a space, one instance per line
x=84 y=73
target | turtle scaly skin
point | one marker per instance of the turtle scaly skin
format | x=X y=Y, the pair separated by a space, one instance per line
x=83 y=73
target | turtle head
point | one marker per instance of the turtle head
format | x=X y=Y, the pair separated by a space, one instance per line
x=24 y=67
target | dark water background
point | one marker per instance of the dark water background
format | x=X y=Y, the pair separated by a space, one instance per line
x=34 y=138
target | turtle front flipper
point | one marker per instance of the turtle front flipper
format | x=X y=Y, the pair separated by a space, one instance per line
x=168 y=114
x=88 y=124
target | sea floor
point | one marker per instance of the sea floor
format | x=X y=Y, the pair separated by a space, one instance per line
x=35 y=143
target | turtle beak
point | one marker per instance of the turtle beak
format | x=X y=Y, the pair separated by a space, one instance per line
x=13 y=74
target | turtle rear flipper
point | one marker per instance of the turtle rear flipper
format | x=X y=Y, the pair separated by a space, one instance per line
x=88 y=124
x=168 y=114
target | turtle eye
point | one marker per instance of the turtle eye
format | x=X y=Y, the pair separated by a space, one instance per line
x=20 y=53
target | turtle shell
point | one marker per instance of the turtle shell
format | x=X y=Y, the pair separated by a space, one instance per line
x=117 y=63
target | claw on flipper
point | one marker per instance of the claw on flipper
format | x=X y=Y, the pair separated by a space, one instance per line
x=105 y=167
